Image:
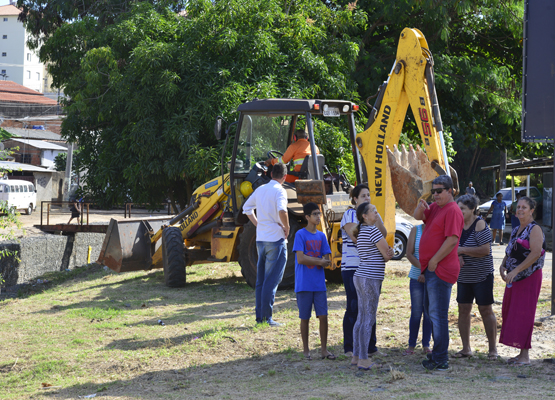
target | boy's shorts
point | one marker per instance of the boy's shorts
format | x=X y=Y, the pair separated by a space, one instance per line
x=305 y=301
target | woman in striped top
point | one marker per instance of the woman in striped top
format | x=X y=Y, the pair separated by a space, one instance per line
x=476 y=276
x=349 y=264
x=373 y=252
x=417 y=288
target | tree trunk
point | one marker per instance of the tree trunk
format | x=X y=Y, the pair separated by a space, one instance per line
x=503 y=169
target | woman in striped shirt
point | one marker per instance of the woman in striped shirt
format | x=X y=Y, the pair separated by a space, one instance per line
x=476 y=276
x=373 y=252
x=349 y=264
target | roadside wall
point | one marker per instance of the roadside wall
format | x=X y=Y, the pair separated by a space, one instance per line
x=47 y=253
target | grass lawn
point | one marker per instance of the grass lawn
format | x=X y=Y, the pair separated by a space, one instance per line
x=89 y=331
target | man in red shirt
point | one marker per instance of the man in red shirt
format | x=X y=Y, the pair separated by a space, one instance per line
x=440 y=263
x=294 y=155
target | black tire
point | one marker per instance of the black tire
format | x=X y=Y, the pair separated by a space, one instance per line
x=399 y=246
x=248 y=255
x=29 y=210
x=173 y=253
x=334 y=276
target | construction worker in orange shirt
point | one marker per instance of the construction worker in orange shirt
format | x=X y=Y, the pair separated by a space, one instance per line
x=296 y=152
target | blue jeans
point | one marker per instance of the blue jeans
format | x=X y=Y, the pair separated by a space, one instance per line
x=272 y=257
x=436 y=303
x=351 y=313
x=417 y=290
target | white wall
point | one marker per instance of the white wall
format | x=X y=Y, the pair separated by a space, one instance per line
x=47 y=158
x=15 y=62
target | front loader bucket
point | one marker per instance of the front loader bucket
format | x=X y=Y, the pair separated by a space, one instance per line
x=412 y=175
x=127 y=245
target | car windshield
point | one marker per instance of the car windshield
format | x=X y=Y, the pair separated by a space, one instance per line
x=260 y=134
x=506 y=194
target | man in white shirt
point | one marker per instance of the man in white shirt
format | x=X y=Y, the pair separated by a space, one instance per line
x=272 y=228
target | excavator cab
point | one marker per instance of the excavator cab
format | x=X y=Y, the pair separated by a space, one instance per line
x=265 y=130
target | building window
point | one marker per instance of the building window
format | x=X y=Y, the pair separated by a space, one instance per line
x=4 y=54
x=28 y=56
x=5 y=19
x=29 y=74
x=25 y=158
x=4 y=36
x=38 y=76
x=4 y=71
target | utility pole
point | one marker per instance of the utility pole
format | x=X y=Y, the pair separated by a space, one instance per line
x=67 y=180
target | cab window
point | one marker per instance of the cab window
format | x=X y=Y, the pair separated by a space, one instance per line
x=7 y=189
x=260 y=134
x=21 y=188
x=31 y=189
x=25 y=188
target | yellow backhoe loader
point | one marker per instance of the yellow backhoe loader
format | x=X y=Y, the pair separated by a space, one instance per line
x=213 y=227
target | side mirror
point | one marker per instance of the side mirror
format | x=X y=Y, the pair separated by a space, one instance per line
x=218 y=128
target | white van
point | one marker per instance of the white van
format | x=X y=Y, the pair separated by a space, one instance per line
x=19 y=194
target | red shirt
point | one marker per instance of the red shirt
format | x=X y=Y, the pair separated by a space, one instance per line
x=440 y=224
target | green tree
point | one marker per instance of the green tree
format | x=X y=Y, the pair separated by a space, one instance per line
x=145 y=84
x=61 y=159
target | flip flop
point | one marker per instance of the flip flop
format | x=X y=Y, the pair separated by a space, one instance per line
x=493 y=357
x=520 y=364
x=367 y=369
x=330 y=356
x=512 y=360
x=408 y=352
x=461 y=355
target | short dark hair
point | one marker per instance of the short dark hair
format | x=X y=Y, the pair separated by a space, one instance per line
x=279 y=171
x=301 y=134
x=470 y=201
x=444 y=180
x=356 y=192
x=308 y=208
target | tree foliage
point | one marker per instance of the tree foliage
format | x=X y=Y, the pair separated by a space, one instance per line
x=145 y=85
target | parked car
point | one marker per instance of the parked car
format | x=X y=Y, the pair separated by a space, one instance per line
x=402 y=231
x=535 y=194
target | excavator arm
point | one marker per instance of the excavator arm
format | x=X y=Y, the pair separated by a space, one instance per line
x=404 y=176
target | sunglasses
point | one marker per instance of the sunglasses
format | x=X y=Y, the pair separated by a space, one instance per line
x=438 y=190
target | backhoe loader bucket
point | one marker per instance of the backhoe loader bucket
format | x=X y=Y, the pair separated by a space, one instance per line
x=412 y=175
x=127 y=245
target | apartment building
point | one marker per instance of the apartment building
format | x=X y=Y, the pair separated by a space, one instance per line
x=17 y=62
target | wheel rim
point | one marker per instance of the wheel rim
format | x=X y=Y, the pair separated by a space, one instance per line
x=397 y=247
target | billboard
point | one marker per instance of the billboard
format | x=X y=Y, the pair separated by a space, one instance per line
x=538 y=80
